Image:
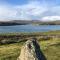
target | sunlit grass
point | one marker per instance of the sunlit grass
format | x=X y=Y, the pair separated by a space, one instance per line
x=50 y=48
x=10 y=51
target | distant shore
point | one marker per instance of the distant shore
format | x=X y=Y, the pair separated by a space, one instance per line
x=24 y=22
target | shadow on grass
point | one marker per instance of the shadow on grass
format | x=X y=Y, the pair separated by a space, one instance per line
x=39 y=53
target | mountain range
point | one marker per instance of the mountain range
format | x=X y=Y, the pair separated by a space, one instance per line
x=24 y=22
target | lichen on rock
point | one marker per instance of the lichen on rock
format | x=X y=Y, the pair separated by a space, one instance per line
x=31 y=51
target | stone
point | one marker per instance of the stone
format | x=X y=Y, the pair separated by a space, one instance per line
x=31 y=51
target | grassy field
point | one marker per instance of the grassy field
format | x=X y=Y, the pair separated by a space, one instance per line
x=50 y=46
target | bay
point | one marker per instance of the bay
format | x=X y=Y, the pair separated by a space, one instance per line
x=29 y=28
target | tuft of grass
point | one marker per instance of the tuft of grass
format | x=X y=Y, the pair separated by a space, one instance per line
x=10 y=51
x=51 y=49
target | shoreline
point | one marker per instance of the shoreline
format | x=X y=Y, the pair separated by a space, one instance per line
x=9 y=38
x=51 y=31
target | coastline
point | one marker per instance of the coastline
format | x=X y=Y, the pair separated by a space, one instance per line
x=9 y=38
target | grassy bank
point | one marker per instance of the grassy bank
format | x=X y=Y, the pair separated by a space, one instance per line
x=8 y=38
x=49 y=45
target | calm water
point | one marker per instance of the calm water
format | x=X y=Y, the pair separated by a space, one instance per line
x=29 y=28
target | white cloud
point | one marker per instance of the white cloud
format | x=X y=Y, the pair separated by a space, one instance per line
x=6 y=12
x=29 y=11
x=50 y=18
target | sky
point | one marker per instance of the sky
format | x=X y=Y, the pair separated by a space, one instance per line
x=44 y=10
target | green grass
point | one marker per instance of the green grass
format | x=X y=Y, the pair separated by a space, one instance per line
x=7 y=38
x=10 y=51
x=30 y=33
x=50 y=48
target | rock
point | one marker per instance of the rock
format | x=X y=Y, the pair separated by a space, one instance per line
x=31 y=51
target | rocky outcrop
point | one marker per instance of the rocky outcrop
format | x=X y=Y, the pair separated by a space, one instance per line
x=31 y=51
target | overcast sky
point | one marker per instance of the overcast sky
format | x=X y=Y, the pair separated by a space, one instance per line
x=45 y=10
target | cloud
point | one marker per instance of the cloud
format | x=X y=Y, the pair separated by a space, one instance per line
x=52 y=14
x=28 y=11
x=7 y=12
x=33 y=10
x=50 y=18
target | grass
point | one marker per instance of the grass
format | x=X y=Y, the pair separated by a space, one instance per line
x=50 y=48
x=7 y=38
x=10 y=51
x=29 y=33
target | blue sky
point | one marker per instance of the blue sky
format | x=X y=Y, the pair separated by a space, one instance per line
x=45 y=10
x=15 y=2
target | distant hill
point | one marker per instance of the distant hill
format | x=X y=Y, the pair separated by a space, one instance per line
x=14 y=22
x=57 y=22
x=24 y=22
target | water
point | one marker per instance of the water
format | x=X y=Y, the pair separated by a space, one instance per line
x=29 y=28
